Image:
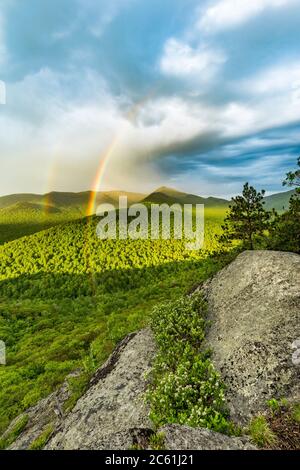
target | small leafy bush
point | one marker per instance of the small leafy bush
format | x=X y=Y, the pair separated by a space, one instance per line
x=185 y=388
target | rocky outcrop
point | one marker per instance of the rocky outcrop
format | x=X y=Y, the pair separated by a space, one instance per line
x=178 y=437
x=46 y=415
x=254 y=308
x=112 y=413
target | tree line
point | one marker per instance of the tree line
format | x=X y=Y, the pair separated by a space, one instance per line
x=249 y=222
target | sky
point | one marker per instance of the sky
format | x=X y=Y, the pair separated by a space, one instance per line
x=198 y=95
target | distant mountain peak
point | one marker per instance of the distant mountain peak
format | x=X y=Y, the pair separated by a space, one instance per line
x=168 y=195
x=168 y=191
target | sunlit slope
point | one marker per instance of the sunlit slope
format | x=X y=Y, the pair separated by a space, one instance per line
x=75 y=248
x=64 y=200
x=25 y=214
x=66 y=298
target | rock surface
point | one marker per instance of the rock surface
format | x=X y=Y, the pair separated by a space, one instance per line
x=178 y=437
x=254 y=308
x=48 y=412
x=109 y=414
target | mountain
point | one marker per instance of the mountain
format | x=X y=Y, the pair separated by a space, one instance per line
x=62 y=201
x=172 y=196
x=278 y=201
x=25 y=214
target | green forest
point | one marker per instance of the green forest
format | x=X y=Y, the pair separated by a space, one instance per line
x=67 y=298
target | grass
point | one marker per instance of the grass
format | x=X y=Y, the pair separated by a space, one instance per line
x=261 y=433
x=77 y=386
x=279 y=428
x=15 y=432
x=157 y=441
x=40 y=442
x=296 y=413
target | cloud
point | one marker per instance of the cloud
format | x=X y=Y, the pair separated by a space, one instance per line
x=3 y=50
x=71 y=138
x=225 y=14
x=181 y=60
x=46 y=130
x=101 y=18
x=178 y=103
x=283 y=78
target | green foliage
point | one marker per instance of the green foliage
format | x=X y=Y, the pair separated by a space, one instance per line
x=247 y=219
x=260 y=432
x=185 y=388
x=296 y=412
x=40 y=442
x=274 y=405
x=285 y=229
x=78 y=386
x=157 y=441
x=277 y=406
x=293 y=177
x=21 y=220
x=15 y=432
x=67 y=298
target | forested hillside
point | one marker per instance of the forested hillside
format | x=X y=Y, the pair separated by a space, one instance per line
x=66 y=298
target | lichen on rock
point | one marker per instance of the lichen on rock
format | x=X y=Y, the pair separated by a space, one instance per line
x=254 y=309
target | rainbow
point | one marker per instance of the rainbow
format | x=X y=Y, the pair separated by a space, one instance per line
x=104 y=160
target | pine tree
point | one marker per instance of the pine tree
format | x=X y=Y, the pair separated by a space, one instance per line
x=285 y=230
x=293 y=178
x=247 y=219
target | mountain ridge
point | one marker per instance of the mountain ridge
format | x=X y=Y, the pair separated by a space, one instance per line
x=59 y=201
x=170 y=195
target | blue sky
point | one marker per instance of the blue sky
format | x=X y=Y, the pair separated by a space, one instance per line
x=198 y=95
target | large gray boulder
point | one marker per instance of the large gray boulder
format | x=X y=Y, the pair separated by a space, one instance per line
x=112 y=413
x=254 y=308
